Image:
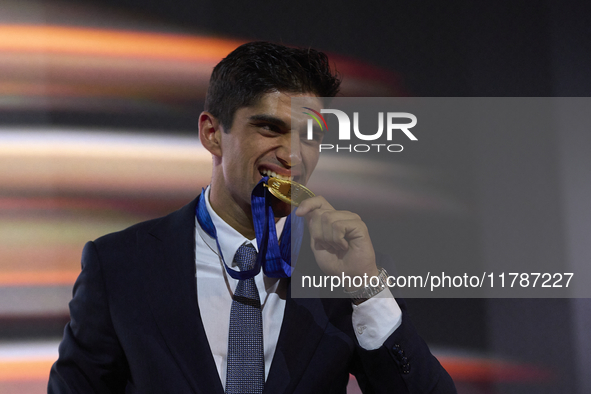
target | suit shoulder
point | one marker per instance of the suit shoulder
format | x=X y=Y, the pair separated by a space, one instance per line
x=126 y=238
x=179 y=220
x=129 y=232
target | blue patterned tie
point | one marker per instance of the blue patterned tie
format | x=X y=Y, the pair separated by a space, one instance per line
x=246 y=362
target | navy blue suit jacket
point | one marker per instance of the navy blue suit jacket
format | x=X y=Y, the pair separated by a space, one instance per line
x=136 y=328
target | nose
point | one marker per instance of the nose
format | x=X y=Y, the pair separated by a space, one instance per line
x=289 y=153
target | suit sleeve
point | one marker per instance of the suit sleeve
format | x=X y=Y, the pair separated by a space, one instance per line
x=403 y=364
x=91 y=359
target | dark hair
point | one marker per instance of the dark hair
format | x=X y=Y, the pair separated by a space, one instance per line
x=256 y=68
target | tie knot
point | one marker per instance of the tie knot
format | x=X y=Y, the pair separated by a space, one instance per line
x=246 y=257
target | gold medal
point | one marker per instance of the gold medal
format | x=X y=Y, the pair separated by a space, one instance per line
x=288 y=191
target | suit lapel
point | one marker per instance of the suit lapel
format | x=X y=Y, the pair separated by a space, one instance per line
x=303 y=325
x=168 y=252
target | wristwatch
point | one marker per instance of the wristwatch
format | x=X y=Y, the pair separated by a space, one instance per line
x=358 y=296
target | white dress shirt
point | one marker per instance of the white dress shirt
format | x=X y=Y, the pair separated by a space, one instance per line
x=374 y=320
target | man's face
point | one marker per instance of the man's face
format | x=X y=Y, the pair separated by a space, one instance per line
x=265 y=140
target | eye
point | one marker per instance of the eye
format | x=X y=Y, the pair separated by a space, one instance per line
x=270 y=127
x=317 y=136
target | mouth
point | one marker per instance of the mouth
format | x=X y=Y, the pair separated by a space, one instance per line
x=269 y=173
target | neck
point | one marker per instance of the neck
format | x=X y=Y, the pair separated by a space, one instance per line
x=238 y=217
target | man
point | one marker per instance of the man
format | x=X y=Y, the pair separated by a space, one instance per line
x=180 y=305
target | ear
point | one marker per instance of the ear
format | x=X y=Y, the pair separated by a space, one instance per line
x=210 y=131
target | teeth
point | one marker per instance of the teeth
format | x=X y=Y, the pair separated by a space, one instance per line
x=275 y=175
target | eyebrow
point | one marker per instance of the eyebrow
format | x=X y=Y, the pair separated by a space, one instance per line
x=269 y=119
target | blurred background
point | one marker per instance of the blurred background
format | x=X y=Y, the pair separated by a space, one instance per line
x=99 y=102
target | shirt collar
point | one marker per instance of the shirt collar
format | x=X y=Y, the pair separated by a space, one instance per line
x=228 y=238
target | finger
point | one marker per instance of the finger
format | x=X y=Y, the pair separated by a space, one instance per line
x=334 y=227
x=320 y=224
x=319 y=245
x=312 y=204
x=314 y=209
x=315 y=226
x=339 y=232
x=347 y=231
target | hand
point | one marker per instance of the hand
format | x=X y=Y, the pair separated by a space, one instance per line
x=339 y=239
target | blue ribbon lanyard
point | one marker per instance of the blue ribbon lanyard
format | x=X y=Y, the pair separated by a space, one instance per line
x=274 y=257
